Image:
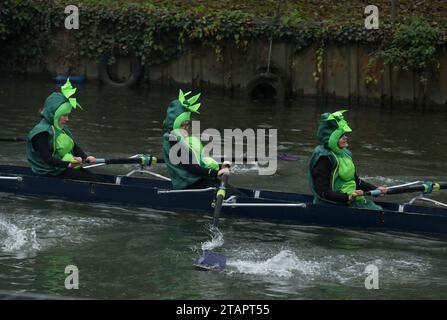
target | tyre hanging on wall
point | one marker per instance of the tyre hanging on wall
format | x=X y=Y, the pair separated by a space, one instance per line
x=119 y=68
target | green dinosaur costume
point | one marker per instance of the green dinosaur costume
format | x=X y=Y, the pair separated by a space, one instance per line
x=177 y=113
x=332 y=127
x=60 y=139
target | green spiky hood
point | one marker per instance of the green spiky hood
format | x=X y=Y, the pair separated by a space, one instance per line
x=180 y=111
x=58 y=104
x=332 y=127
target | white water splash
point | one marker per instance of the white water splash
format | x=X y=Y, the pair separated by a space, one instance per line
x=314 y=267
x=283 y=264
x=14 y=238
x=217 y=239
x=28 y=230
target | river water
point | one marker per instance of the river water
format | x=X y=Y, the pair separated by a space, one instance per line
x=133 y=252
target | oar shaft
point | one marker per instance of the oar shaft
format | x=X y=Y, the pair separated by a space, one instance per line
x=15 y=139
x=425 y=187
x=147 y=160
x=283 y=157
x=140 y=161
x=421 y=188
x=219 y=199
x=143 y=160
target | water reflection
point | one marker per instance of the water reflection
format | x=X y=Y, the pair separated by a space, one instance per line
x=140 y=253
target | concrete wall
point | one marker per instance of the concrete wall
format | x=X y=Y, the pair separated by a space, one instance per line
x=343 y=73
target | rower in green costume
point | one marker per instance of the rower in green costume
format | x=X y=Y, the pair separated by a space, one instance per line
x=55 y=157
x=175 y=127
x=332 y=173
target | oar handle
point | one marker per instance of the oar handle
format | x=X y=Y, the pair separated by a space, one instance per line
x=144 y=160
x=374 y=193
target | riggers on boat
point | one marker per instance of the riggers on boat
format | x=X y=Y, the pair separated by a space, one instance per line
x=257 y=204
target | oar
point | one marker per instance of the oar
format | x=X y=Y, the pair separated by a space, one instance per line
x=288 y=157
x=147 y=160
x=220 y=196
x=144 y=160
x=211 y=260
x=15 y=139
x=426 y=187
x=279 y=156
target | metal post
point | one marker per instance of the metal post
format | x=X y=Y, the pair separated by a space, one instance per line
x=270 y=54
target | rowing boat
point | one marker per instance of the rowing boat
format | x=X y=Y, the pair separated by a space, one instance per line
x=256 y=204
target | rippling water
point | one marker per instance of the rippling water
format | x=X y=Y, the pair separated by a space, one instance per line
x=133 y=252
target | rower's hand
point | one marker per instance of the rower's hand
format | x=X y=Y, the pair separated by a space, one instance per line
x=383 y=190
x=90 y=159
x=77 y=162
x=226 y=164
x=223 y=171
x=356 y=193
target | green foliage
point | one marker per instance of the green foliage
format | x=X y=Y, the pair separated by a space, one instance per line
x=320 y=60
x=26 y=28
x=413 y=46
x=159 y=30
x=293 y=18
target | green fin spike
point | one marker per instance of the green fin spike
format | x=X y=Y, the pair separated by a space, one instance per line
x=339 y=118
x=189 y=104
x=194 y=99
x=337 y=115
x=68 y=90
x=181 y=96
x=195 y=107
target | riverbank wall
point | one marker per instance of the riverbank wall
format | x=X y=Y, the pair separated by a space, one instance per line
x=230 y=54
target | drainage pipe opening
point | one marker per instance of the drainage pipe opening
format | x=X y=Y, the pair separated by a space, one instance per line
x=263 y=91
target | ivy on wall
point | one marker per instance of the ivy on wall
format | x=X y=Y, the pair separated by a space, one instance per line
x=158 y=33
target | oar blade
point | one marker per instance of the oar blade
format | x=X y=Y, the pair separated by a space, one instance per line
x=288 y=157
x=211 y=261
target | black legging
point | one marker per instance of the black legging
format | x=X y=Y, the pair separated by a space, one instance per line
x=79 y=174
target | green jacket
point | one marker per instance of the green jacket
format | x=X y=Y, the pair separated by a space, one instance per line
x=330 y=130
x=178 y=112
x=38 y=165
x=180 y=177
